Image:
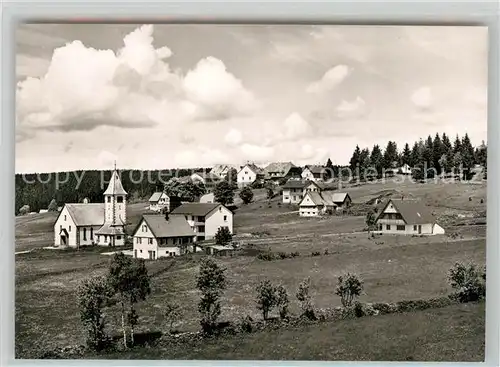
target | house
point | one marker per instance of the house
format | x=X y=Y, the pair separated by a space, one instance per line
x=313 y=173
x=400 y=216
x=293 y=191
x=317 y=203
x=205 y=219
x=249 y=174
x=281 y=170
x=160 y=200
x=319 y=186
x=159 y=235
x=43 y=211
x=208 y=179
x=208 y=198
x=94 y=224
x=405 y=169
x=222 y=170
x=219 y=250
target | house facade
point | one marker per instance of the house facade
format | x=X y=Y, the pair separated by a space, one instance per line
x=278 y=171
x=407 y=217
x=317 y=203
x=158 y=235
x=249 y=174
x=160 y=200
x=205 y=219
x=88 y=224
x=293 y=191
x=208 y=179
x=313 y=173
x=208 y=198
x=222 y=170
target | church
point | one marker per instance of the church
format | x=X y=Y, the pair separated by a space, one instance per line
x=88 y=224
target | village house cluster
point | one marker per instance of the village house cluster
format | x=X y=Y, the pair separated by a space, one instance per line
x=174 y=227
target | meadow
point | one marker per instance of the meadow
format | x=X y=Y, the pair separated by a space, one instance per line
x=393 y=268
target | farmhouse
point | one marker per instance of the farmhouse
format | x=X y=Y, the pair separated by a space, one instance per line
x=94 y=224
x=249 y=174
x=222 y=170
x=313 y=173
x=160 y=200
x=208 y=198
x=159 y=235
x=318 y=186
x=405 y=169
x=281 y=170
x=293 y=191
x=317 y=203
x=205 y=219
x=400 y=216
x=208 y=179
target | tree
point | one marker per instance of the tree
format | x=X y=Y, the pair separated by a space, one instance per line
x=457 y=146
x=52 y=206
x=329 y=169
x=437 y=152
x=266 y=297
x=481 y=154
x=282 y=301
x=349 y=287
x=232 y=177
x=370 y=220
x=93 y=295
x=269 y=190
x=130 y=283
x=246 y=194
x=406 y=155
x=211 y=282
x=467 y=154
x=224 y=193
x=305 y=299
x=447 y=147
x=427 y=153
x=416 y=155
x=390 y=154
x=457 y=162
x=445 y=163
x=468 y=281
x=223 y=236
x=355 y=161
x=187 y=190
x=377 y=160
x=172 y=314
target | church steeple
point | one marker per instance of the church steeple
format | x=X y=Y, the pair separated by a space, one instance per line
x=115 y=201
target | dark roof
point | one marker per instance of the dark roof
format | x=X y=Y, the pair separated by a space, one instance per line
x=340 y=197
x=412 y=211
x=295 y=184
x=115 y=185
x=256 y=169
x=282 y=168
x=316 y=169
x=175 y=226
x=198 y=209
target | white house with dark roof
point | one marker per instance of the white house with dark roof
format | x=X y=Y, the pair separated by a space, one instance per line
x=94 y=224
x=313 y=173
x=293 y=191
x=159 y=235
x=249 y=174
x=317 y=203
x=406 y=216
x=222 y=170
x=205 y=219
x=160 y=200
x=280 y=170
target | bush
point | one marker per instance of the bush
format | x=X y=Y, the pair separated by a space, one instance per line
x=246 y=194
x=266 y=297
x=349 y=287
x=283 y=255
x=25 y=209
x=326 y=251
x=246 y=325
x=305 y=299
x=316 y=253
x=211 y=282
x=282 y=301
x=468 y=281
x=266 y=256
x=295 y=254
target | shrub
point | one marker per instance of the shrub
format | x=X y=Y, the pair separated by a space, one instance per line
x=266 y=256
x=211 y=282
x=305 y=299
x=326 y=251
x=172 y=314
x=468 y=282
x=316 y=253
x=246 y=325
x=25 y=209
x=246 y=194
x=295 y=254
x=349 y=286
x=52 y=206
x=283 y=255
x=266 y=297
x=282 y=301
x=223 y=236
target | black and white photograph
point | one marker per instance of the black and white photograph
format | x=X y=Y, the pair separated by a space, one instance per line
x=310 y=192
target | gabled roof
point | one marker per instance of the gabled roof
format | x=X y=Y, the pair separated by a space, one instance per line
x=295 y=184
x=412 y=211
x=207 y=197
x=317 y=198
x=324 y=186
x=207 y=176
x=315 y=169
x=115 y=185
x=155 y=197
x=282 y=168
x=197 y=209
x=256 y=169
x=340 y=197
x=109 y=228
x=86 y=214
x=175 y=226
x=219 y=168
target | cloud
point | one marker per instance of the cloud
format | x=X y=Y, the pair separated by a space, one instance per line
x=477 y=96
x=107 y=159
x=422 y=98
x=352 y=109
x=84 y=88
x=295 y=127
x=233 y=137
x=331 y=79
x=257 y=153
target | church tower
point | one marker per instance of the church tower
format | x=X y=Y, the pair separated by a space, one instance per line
x=115 y=202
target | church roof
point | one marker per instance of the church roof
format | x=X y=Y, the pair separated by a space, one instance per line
x=115 y=185
x=86 y=214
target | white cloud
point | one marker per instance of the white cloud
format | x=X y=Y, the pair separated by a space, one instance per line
x=477 y=96
x=84 y=88
x=257 y=153
x=355 y=108
x=107 y=159
x=422 y=98
x=331 y=79
x=233 y=137
x=295 y=127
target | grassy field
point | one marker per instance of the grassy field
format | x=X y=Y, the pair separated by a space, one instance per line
x=393 y=268
x=455 y=333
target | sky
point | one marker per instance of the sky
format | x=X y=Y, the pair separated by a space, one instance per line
x=171 y=96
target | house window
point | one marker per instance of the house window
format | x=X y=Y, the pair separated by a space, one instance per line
x=225 y=218
x=388 y=227
x=286 y=197
x=138 y=240
x=91 y=233
x=85 y=234
x=70 y=228
x=201 y=229
x=140 y=251
x=174 y=240
x=415 y=227
x=60 y=228
x=118 y=238
x=119 y=199
x=135 y=253
x=150 y=241
x=105 y=238
x=400 y=228
x=144 y=228
x=109 y=199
